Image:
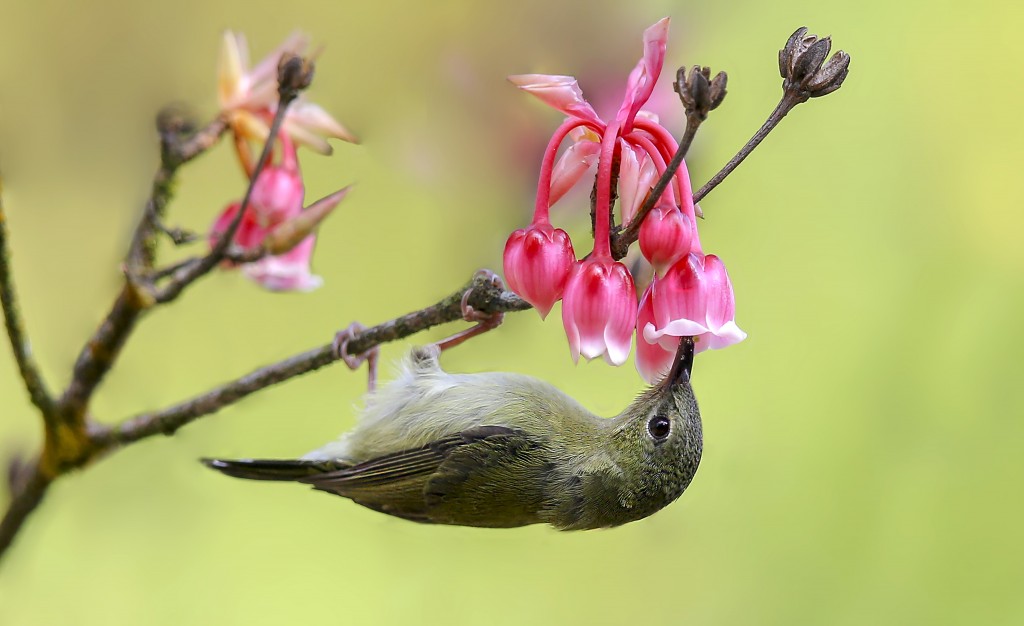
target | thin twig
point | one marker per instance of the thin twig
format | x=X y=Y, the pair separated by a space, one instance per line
x=175 y=151
x=27 y=365
x=192 y=271
x=485 y=297
x=100 y=352
x=786 y=104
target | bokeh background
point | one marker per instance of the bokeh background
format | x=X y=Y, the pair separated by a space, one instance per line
x=863 y=460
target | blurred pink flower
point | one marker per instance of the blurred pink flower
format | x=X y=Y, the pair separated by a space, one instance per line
x=248 y=96
x=275 y=203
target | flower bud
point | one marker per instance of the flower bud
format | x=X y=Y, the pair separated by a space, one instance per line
x=599 y=310
x=699 y=93
x=665 y=237
x=537 y=262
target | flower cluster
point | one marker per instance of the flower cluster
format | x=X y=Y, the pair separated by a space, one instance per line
x=248 y=101
x=690 y=294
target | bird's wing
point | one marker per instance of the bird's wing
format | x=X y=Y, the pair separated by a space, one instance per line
x=499 y=482
x=410 y=483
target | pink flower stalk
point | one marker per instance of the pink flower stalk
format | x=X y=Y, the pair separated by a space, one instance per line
x=645 y=147
x=537 y=263
x=599 y=311
x=694 y=299
x=248 y=97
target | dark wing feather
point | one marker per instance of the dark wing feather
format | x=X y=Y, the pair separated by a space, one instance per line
x=396 y=483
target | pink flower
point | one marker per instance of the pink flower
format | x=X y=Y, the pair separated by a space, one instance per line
x=599 y=311
x=665 y=237
x=248 y=96
x=279 y=191
x=690 y=296
x=275 y=203
x=537 y=261
x=694 y=299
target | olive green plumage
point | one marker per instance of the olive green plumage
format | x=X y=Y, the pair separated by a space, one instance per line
x=501 y=450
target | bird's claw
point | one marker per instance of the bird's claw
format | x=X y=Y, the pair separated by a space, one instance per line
x=353 y=361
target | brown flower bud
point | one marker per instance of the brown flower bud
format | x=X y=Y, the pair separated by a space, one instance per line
x=699 y=93
x=800 y=64
x=294 y=74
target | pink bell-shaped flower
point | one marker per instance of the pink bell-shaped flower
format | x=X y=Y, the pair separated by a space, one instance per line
x=694 y=299
x=665 y=237
x=537 y=261
x=599 y=310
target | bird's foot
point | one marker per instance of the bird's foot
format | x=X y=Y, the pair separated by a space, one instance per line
x=484 y=321
x=353 y=361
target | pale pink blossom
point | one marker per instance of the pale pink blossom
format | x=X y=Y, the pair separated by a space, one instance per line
x=275 y=203
x=248 y=96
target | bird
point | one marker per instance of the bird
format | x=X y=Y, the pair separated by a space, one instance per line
x=502 y=450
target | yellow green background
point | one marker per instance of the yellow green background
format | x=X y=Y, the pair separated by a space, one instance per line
x=863 y=459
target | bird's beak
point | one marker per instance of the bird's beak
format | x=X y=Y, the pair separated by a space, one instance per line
x=683 y=362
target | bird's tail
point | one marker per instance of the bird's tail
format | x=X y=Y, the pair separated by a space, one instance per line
x=272 y=469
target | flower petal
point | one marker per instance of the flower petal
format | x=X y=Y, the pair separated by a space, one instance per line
x=636 y=175
x=315 y=118
x=231 y=67
x=286 y=272
x=652 y=360
x=571 y=166
x=560 y=92
x=645 y=74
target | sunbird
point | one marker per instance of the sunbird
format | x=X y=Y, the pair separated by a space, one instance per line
x=500 y=450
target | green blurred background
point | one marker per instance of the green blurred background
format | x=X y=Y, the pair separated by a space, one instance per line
x=863 y=458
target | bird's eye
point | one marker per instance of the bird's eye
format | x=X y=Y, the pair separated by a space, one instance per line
x=659 y=426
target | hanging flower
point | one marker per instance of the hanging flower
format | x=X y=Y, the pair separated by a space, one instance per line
x=275 y=214
x=599 y=311
x=694 y=299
